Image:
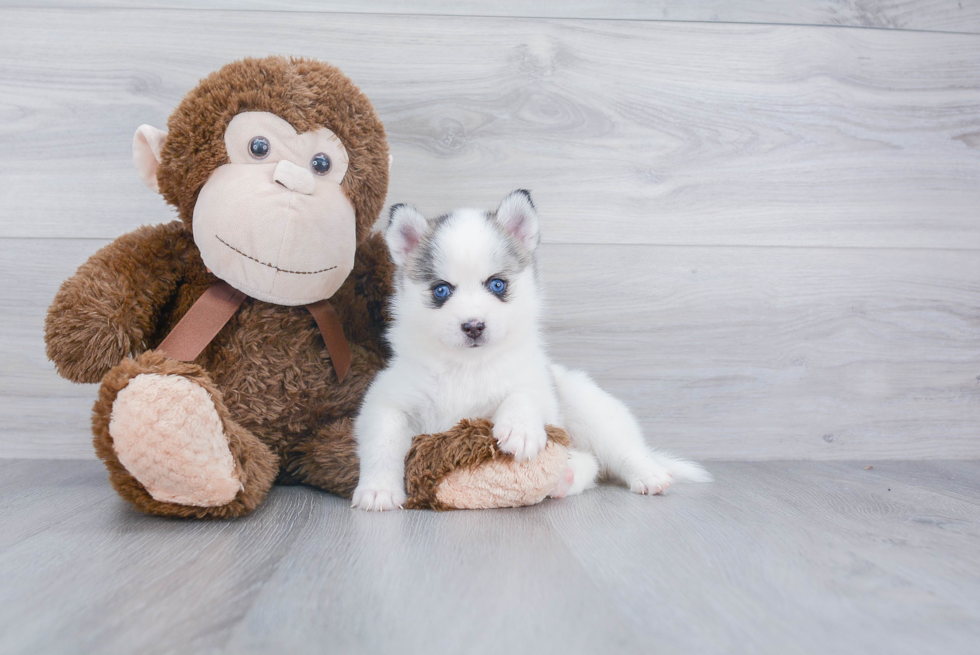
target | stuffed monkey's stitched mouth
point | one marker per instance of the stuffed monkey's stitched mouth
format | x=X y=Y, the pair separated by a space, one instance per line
x=279 y=270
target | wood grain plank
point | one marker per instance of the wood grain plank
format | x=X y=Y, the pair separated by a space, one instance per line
x=785 y=557
x=627 y=132
x=933 y=15
x=825 y=354
x=115 y=581
x=36 y=496
x=778 y=557
x=346 y=572
x=419 y=582
x=724 y=353
x=958 y=479
x=41 y=412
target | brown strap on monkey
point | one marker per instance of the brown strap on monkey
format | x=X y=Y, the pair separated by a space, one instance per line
x=333 y=335
x=202 y=322
x=218 y=304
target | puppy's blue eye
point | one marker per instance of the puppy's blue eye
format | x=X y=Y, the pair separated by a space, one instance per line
x=442 y=291
x=497 y=286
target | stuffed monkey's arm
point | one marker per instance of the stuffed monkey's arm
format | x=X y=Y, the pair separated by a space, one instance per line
x=372 y=284
x=374 y=272
x=110 y=306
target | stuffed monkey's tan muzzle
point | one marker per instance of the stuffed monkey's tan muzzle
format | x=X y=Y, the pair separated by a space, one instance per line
x=275 y=222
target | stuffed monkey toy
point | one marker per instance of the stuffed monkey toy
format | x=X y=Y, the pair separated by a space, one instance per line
x=233 y=346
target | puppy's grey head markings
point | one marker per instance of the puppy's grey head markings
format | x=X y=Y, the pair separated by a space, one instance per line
x=467 y=264
x=418 y=250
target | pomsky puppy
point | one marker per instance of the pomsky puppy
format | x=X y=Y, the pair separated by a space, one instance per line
x=467 y=343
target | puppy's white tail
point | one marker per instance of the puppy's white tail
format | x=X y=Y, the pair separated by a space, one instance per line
x=600 y=423
x=683 y=470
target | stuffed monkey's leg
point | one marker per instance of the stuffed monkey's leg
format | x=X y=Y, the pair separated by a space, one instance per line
x=328 y=459
x=171 y=446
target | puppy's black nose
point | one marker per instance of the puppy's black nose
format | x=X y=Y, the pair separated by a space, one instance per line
x=473 y=329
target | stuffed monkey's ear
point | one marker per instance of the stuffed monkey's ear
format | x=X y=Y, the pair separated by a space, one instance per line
x=147 y=146
x=406 y=227
x=519 y=218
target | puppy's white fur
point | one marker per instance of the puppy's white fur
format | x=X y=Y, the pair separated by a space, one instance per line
x=441 y=373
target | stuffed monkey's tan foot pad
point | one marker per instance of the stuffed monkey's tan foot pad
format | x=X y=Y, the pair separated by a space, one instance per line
x=500 y=483
x=167 y=433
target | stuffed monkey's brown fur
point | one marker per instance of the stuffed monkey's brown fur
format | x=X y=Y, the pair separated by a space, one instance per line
x=271 y=380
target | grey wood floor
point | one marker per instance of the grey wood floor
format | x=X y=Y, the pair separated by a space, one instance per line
x=775 y=557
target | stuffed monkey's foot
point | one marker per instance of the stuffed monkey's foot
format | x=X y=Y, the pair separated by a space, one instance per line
x=170 y=445
x=463 y=468
x=167 y=433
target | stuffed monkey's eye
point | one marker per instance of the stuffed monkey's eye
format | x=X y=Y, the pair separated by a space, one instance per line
x=497 y=286
x=259 y=147
x=442 y=291
x=320 y=163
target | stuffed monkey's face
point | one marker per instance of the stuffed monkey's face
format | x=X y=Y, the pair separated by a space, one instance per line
x=274 y=222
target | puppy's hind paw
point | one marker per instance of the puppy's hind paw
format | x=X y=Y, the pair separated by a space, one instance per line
x=650 y=482
x=375 y=499
x=564 y=484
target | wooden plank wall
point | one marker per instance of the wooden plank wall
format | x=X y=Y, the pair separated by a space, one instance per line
x=931 y=15
x=761 y=220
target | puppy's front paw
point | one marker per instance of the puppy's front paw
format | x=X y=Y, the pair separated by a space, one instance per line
x=523 y=441
x=375 y=498
x=652 y=479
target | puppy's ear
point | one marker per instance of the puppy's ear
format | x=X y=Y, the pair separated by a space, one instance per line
x=406 y=227
x=519 y=218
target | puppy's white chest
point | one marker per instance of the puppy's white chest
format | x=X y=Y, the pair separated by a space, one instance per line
x=452 y=396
